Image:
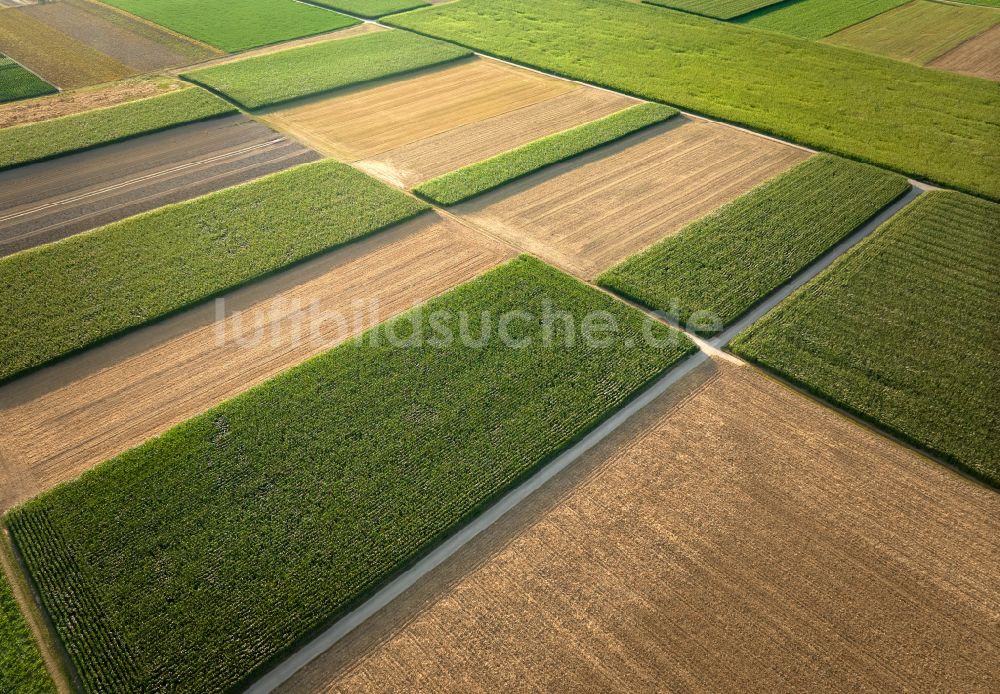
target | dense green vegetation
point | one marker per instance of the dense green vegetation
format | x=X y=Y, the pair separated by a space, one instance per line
x=814 y=19
x=18 y=83
x=902 y=330
x=719 y=9
x=926 y=123
x=23 y=144
x=372 y=9
x=266 y=517
x=69 y=295
x=236 y=25
x=276 y=78
x=21 y=667
x=470 y=181
x=728 y=262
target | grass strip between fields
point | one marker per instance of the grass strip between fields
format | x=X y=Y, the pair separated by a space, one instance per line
x=925 y=123
x=475 y=179
x=371 y=9
x=277 y=78
x=272 y=514
x=22 y=669
x=902 y=330
x=73 y=294
x=717 y=9
x=25 y=144
x=718 y=268
x=815 y=19
x=18 y=83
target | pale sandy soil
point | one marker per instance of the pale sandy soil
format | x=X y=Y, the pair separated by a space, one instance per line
x=589 y=213
x=60 y=421
x=733 y=536
x=979 y=56
x=363 y=122
x=420 y=161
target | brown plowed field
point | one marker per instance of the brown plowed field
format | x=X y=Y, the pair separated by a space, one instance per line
x=979 y=56
x=58 y=422
x=420 y=161
x=593 y=211
x=363 y=122
x=733 y=536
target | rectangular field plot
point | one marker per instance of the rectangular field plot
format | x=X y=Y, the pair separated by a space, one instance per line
x=17 y=83
x=733 y=531
x=271 y=514
x=59 y=422
x=597 y=209
x=718 y=9
x=978 y=57
x=902 y=330
x=917 y=32
x=814 y=19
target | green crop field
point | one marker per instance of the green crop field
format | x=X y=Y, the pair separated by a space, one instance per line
x=236 y=25
x=899 y=330
x=21 y=668
x=925 y=123
x=476 y=179
x=719 y=9
x=814 y=19
x=288 y=75
x=371 y=9
x=18 y=83
x=725 y=264
x=68 y=295
x=268 y=516
x=917 y=32
x=24 y=144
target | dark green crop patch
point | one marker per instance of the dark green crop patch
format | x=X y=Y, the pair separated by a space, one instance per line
x=18 y=83
x=21 y=667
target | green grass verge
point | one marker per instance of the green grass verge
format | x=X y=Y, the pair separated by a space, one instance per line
x=926 y=123
x=473 y=180
x=280 y=77
x=18 y=83
x=902 y=330
x=718 y=268
x=205 y=553
x=917 y=32
x=24 y=144
x=372 y=9
x=21 y=667
x=73 y=294
x=814 y=19
x=719 y=9
x=236 y=25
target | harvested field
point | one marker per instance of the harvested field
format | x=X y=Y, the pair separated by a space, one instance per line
x=979 y=56
x=414 y=163
x=44 y=202
x=57 y=58
x=734 y=535
x=59 y=422
x=364 y=122
x=589 y=213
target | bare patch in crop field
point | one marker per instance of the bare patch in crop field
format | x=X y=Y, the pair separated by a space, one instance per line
x=732 y=535
x=364 y=122
x=60 y=421
x=591 y=212
x=979 y=57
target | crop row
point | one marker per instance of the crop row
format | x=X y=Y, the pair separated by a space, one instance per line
x=18 y=83
x=21 y=667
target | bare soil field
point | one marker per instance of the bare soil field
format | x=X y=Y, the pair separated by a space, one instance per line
x=58 y=422
x=733 y=536
x=420 y=161
x=591 y=212
x=51 y=200
x=57 y=58
x=978 y=57
x=363 y=122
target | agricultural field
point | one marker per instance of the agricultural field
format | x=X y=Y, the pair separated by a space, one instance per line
x=285 y=76
x=732 y=515
x=897 y=330
x=60 y=422
x=726 y=263
x=719 y=9
x=372 y=8
x=319 y=490
x=977 y=57
x=21 y=667
x=17 y=83
x=248 y=23
x=67 y=296
x=919 y=31
x=754 y=78
x=815 y=19
x=592 y=212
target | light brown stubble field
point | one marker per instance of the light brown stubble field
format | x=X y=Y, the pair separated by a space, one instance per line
x=978 y=57
x=733 y=536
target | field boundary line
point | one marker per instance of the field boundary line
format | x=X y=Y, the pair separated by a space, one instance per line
x=159 y=27
x=25 y=67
